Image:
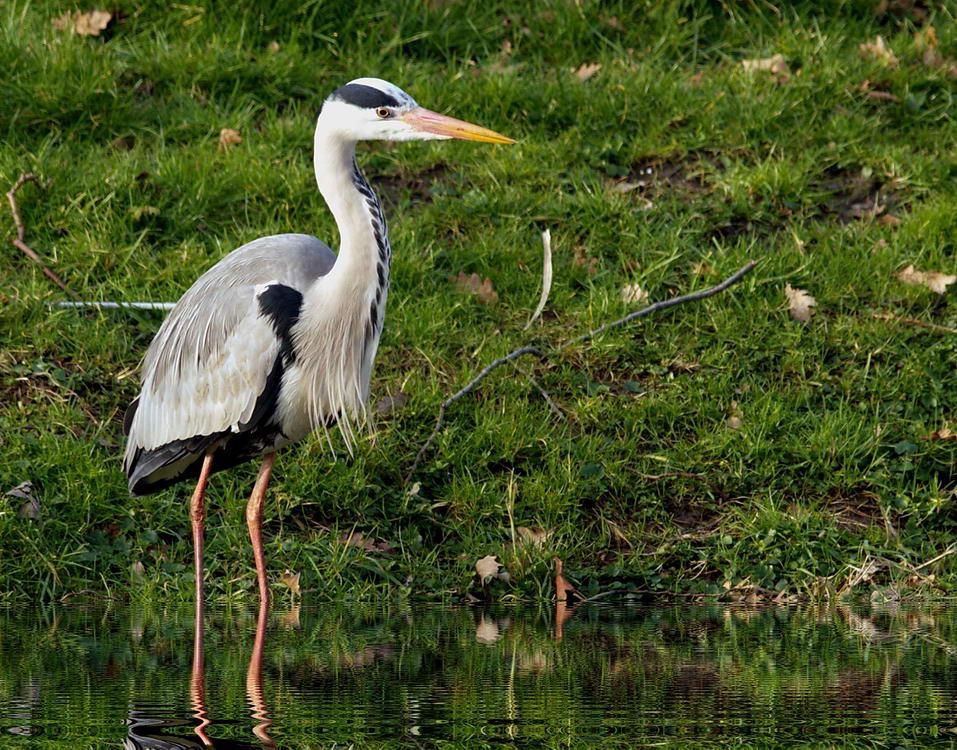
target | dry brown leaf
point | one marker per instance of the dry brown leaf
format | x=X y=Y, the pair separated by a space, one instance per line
x=633 y=294
x=487 y=567
x=534 y=537
x=90 y=23
x=360 y=540
x=388 y=404
x=292 y=581
x=926 y=39
x=736 y=419
x=352 y=539
x=24 y=491
x=878 y=50
x=942 y=434
x=889 y=220
x=933 y=280
x=884 y=96
x=775 y=65
x=140 y=211
x=586 y=70
x=581 y=259
x=64 y=22
x=926 y=43
x=799 y=303
x=912 y=9
x=474 y=285
x=229 y=137
x=625 y=186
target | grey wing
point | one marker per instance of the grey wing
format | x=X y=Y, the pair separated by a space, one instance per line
x=211 y=358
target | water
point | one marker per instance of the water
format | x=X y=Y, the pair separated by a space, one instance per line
x=425 y=677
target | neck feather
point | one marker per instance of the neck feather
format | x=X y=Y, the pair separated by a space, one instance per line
x=344 y=310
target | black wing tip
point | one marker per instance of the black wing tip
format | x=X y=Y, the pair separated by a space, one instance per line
x=129 y=414
x=145 y=464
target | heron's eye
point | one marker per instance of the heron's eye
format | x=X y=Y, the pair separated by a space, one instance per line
x=384 y=112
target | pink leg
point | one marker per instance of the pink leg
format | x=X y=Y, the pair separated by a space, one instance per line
x=197 y=514
x=254 y=519
x=197 y=687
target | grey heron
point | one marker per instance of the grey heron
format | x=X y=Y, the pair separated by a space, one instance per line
x=278 y=338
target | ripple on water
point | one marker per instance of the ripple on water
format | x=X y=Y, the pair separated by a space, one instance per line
x=371 y=676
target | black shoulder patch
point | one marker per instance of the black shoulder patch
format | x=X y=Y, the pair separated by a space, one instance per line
x=281 y=305
x=368 y=97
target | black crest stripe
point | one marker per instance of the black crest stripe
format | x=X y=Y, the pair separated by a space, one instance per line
x=364 y=96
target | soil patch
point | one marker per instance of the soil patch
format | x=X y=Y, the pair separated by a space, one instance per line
x=687 y=175
x=854 y=196
x=419 y=187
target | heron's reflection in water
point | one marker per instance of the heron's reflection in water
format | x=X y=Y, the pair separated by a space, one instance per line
x=151 y=727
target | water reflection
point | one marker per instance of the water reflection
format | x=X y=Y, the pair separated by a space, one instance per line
x=372 y=676
x=148 y=728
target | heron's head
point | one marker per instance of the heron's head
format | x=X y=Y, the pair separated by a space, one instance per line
x=370 y=109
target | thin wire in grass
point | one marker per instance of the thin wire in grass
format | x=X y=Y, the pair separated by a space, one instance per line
x=106 y=305
x=522 y=351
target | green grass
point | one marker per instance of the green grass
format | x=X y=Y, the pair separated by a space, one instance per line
x=829 y=467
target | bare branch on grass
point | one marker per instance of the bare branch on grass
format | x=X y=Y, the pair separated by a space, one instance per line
x=21 y=242
x=914 y=322
x=949 y=551
x=457 y=395
x=658 y=306
x=521 y=351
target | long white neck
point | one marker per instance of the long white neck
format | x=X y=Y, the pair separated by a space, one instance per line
x=343 y=311
x=363 y=235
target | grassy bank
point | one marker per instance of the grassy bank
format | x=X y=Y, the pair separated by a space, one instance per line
x=723 y=445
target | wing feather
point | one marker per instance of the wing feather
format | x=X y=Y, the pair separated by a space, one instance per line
x=215 y=391
x=211 y=358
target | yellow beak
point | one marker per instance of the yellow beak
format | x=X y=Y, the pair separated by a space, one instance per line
x=427 y=121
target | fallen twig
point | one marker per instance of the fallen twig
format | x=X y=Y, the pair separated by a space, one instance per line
x=546 y=277
x=456 y=396
x=657 y=306
x=914 y=322
x=949 y=551
x=521 y=351
x=21 y=243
